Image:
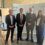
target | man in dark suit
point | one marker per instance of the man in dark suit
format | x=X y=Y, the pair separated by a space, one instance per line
x=20 y=18
x=10 y=21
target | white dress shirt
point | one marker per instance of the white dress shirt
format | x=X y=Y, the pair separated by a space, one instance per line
x=21 y=17
x=11 y=17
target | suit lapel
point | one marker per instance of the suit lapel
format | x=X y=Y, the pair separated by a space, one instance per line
x=23 y=17
x=9 y=20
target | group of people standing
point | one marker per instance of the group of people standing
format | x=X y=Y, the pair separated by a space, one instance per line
x=30 y=19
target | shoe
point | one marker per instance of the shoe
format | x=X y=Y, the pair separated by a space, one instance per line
x=27 y=39
x=6 y=43
x=17 y=42
x=31 y=40
x=12 y=41
x=21 y=39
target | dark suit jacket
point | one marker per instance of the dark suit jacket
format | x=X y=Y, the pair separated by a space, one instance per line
x=18 y=19
x=8 y=21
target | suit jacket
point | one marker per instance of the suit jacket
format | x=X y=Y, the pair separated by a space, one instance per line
x=30 y=18
x=8 y=21
x=18 y=19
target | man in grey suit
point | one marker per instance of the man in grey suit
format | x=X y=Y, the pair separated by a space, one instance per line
x=30 y=22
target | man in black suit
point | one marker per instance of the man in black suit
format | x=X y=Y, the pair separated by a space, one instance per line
x=10 y=21
x=20 y=18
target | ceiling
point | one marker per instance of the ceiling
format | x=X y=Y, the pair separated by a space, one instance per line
x=8 y=3
x=29 y=1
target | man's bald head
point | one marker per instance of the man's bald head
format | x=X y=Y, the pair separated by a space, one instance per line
x=30 y=9
x=10 y=11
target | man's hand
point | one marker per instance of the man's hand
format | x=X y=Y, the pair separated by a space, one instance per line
x=11 y=26
x=21 y=25
x=29 y=23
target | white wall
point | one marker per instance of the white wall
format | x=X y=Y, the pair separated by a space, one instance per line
x=35 y=8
